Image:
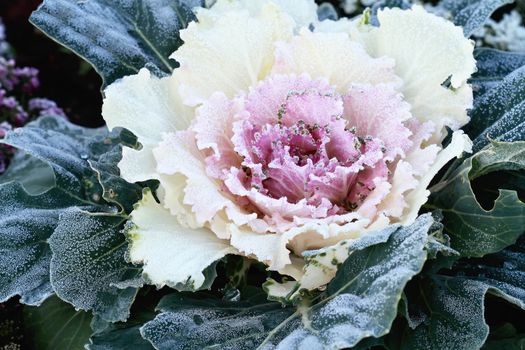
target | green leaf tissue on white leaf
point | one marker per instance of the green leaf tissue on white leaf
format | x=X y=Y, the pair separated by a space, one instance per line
x=172 y=254
x=321 y=265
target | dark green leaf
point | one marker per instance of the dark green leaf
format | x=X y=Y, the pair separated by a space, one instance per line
x=499 y=113
x=35 y=175
x=473 y=230
x=187 y=323
x=106 y=153
x=56 y=325
x=118 y=37
x=64 y=147
x=505 y=337
x=84 y=160
x=381 y=4
x=88 y=268
x=122 y=336
x=452 y=317
x=450 y=309
x=327 y=11
x=26 y=222
x=503 y=271
x=472 y=14
x=360 y=302
x=493 y=66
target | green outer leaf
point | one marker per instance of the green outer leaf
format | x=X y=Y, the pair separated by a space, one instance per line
x=360 y=302
x=493 y=66
x=455 y=315
x=26 y=222
x=35 y=175
x=472 y=14
x=369 y=286
x=123 y=336
x=120 y=338
x=505 y=338
x=84 y=160
x=503 y=271
x=475 y=232
x=88 y=261
x=499 y=113
x=452 y=307
x=498 y=156
x=187 y=322
x=106 y=153
x=327 y=260
x=64 y=146
x=496 y=64
x=55 y=325
x=118 y=37
x=381 y=4
x=515 y=343
x=31 y=220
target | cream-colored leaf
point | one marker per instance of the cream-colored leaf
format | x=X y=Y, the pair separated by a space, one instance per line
x=177 y=154
x=427 y=50
x=332 y=56
x=303 y=12
x=417 y=197
x=171 y=254
x=147 y=106
x=228 y=51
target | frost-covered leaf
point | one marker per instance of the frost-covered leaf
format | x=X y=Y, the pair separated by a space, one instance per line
x=88 y=264
x=381 y=4
x=504 y=271
x=321 y=265
x=450 y=309
x=26 y=222
x=105 y=153
x=493 y=66
x=499 y=114
x=473 y=230
x=84 y=160
x=56 y=325
x=472 y=14
x=123 y=336
x=360 y=302
x=202 y=323
x=34 y=175
x=453 y=315
x=118 y=37
x=64 y=147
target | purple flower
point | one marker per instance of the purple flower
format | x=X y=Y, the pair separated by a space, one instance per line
x=43 y=106
x=17 y=106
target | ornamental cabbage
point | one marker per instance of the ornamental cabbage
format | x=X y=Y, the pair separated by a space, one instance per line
x=280 y=134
